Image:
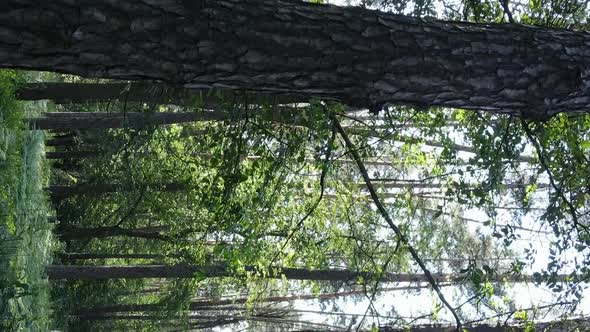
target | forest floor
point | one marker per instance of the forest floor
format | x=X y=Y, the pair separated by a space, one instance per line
x=26 y=243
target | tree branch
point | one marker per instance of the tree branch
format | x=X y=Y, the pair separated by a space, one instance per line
x=558 y=189
x=507 y=11
x=317 y=202
x=350 y=146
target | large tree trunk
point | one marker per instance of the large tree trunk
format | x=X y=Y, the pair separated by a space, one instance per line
x=361 y=57
x=151 y=93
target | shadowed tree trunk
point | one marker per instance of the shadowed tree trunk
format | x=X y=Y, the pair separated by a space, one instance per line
x=88 y=256
x=96 y=120
x=69 y=233
x=151 y=93
x=362 y=57
x=60 y=192
x=190 y=271
x=72 y=154
x=101 y=272
x=68 y=140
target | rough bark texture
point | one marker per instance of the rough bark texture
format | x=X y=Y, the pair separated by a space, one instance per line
x=63 y=93
x=361 y=57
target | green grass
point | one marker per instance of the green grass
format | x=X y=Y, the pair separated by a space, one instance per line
x=25 y=235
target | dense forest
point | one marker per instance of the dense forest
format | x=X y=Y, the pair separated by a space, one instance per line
x=287 y=165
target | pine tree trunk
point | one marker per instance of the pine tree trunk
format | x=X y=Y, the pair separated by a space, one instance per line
x=70 y=233
x=96 y=120
x=150 y=93
x=69 y=140
x=102 y=120
x=72 y=154
x=213 y=271
x=199 y=304
x=190 y=271
x=60 y=192
x=88 y=256
x=364 y=58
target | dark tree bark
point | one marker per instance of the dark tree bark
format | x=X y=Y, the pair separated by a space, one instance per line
x=71 y=154
x=88 y=256
x=59 y=192
x=96 y=120
x=190 y=271
x=69 y=140
x=361 y=57
x=69 y=233
x=151 y=93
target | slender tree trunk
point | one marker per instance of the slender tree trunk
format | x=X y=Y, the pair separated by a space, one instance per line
x=101 y=120
x=556 y=326
x=72 y=154
x=214 y=271
x=362 y=57
x=70 y=233
x=60 y=192
x=458 y=147
x=88 y=256
x=199 y=304
x=69 y=140
x=189 y=271
x=150 y=92
x=516 y=227
x=96 y=120
x=422 y=185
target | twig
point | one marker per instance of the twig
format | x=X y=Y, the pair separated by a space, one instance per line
x=507 y=11
x=350 y=146
x=558 y=189
x=317 y=202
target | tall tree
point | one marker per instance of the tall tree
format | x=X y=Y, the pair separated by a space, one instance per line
x=361 y=57
x=68 y=233
x=101 y=272
x=63 y=93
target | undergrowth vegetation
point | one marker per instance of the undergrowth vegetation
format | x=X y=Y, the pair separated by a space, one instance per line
x=25 y=234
